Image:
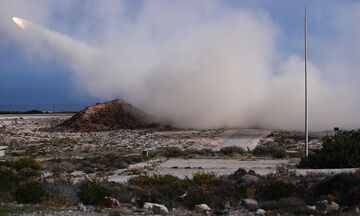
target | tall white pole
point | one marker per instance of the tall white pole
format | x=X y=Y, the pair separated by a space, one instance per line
x=306 y=92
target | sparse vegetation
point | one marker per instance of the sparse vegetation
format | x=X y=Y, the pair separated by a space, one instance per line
x=276 y=190
x=91 y=190
x=31 y=192
x=270 y=149
x=232 y=150
x=339 y=151
x=175 y=152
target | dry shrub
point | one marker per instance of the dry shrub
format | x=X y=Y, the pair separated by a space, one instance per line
x=330 y=198
x=135 y=170
x=250 y=192
x=58 y=201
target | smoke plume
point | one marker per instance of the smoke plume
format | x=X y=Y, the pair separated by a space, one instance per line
x=206 y=67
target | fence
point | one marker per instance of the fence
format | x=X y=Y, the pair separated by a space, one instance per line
x=55 y=107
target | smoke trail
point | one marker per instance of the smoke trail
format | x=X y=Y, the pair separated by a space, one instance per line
x=210 y=71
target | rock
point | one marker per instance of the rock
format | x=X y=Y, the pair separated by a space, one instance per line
x=334 y=206
x=159 y=210
x=323 y=206
x=81 y=207
x=202 y=208
x=249 y=179
x=249 y=204
x=260 y=212
x=311 y=207
x=111 y=202
x=156 y=208
x=225 y=205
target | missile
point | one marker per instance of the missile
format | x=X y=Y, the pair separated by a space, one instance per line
x=61 y=43
x=20 y=22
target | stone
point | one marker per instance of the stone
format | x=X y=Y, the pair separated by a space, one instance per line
x=111 y=202
x=249 y=179
x=225 y=205
x=311 y=207
x=260 y=212
x=156 y=208
x=250 y=204
x=202 y=208
x=81 y=207
x=325 y=207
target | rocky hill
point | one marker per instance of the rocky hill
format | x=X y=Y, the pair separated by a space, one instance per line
x=109 y=115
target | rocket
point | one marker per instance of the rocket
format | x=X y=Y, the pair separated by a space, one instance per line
x=61 y=43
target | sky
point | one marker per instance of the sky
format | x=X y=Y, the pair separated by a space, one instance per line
x=27 y=79
x=162 y=54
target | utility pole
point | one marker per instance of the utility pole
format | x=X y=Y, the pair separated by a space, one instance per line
x=306 y=92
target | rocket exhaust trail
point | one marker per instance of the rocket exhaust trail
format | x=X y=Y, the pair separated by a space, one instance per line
x=73 y=49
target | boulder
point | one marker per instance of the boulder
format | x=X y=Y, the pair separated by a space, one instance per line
x=225 y=205
x=202 y=208
x=325 y=207
x=249 y=179
x=81 y=207
x=111 y=202
x=357 y=210
x=311 y=207
x=260 y=212
x=249 y=204
x=156 y=208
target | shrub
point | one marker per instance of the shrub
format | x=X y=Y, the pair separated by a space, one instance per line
x=232 y=150
x=168 y=152
x=23 y=162
x=289 y=205
x=269 y=149
x=31 y=192
x=345 y=187
x=159 y=189
x=8 y=179
x=204 y=178
x=91 y=191
x=58 y=201
x=250 y=192
x=339 y=151
x=197 y=197
x=275 y=190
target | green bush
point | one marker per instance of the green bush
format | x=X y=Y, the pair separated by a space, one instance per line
x=23 y=162
x=200 y=178
x=291 y=205
x=339 y=151
x=91 y=191
x=154 y=180
x=8 y=179
x=270 y=149
x=31 y=192
x=196 y=198
x=168 y=152
x=275 y=190
x=344 y=186
x=232 y=150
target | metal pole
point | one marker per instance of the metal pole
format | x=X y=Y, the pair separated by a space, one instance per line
x=306 y=92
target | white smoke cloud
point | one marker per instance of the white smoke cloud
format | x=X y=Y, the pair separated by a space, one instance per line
x=197 y=66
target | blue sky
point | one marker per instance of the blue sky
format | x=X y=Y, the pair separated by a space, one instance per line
x=34 y=79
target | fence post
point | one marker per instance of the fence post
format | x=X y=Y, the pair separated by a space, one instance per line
x=54 y=108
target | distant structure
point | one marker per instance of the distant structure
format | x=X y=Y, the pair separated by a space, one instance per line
x=306 y=92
